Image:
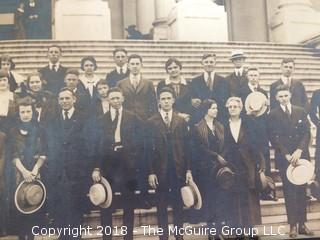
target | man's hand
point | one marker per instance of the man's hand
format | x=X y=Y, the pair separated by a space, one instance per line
x=296 y=155
x=195 y=102
x=222 y=161
x=96 y=177
x=189 y=177
x=288 y=157
x=27 y=175
x=185 y=116
x=153 y=181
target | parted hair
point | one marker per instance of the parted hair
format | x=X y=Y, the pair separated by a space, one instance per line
x=91 y=59
x=7 y=58
x=234 y=99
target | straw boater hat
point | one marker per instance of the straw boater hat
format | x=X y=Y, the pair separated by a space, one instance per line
x=301 y=173
x=236 y=54
x=256 y=104
x=100 y=194
x=30 y=196
x=191 y=196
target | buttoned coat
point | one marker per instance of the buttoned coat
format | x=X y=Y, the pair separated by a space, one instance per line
x=157 y=148
x=141 y=101
x=298 y=94
x=114 y=77
x=53 y=81
x=235 y=83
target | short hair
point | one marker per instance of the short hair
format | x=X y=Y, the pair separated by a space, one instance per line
x=33 y=74
x=119 y=50
x=25 y=101
x=7 y=58
x=73 y=71
x=252 y=68
x=114 y=89
x=206 y=105
x=132 y=56
x=287 y=60
x=167 y=89
x=102 y=82
x=66 y=89
x=207 y=55
x=3 y=74
x=172 y=60
x=234 y=99
x=56 y=46
x=282 y=87
x=91 y=59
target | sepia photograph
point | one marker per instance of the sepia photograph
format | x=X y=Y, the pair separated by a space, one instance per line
x=159 y=119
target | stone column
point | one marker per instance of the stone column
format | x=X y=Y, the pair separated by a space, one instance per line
x=295 y=22
x=116 y=9
x=160 y=25
x=247 y=20
x=82 y=20
x=145 y=15
x=197 y=20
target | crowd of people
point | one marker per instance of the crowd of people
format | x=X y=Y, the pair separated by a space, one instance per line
x=72 y=129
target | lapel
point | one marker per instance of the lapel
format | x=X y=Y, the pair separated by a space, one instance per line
x=241 y=131
x=174 y=121
x=161 y=125
x=129 y=86
x=140 y=85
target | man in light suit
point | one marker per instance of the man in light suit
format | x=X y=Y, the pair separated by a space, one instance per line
x=116 y=158
x=121 y=71
x=289 y=131
x=238 y=77
x=298 y=92
x=169 y=160
x=209 y=85
x=53 y=74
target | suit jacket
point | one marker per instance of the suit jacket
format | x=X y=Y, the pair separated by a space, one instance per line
x=67 y=147
x=314 y=110
x=131 y=140
x=114 y=77
x=141 y=101
x=183 y=99
x=53 y=81
x=298 y=94
x=157 y=146
x=287 y=135
x=235 y=83
x=220 y=93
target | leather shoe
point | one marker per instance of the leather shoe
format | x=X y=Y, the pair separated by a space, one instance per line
x=305 y=231
x=293 y=232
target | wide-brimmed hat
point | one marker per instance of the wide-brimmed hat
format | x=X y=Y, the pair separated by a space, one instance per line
x=191 y=196
x=100 y=193
x=236 y=54
x=225 y=178
x=256 y=104
x=30 y=196
x=315 y=189
x=301 y=173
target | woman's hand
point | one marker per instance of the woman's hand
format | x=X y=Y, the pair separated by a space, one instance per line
x=28 y=176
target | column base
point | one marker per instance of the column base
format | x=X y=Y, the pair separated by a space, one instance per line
x=160 y=29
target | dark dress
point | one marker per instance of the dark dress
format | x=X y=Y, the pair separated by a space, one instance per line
x=26 y=147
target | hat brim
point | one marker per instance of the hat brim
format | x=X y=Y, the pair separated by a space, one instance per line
x=198 y=204
x=237 y=57
x=108 y=188
x=30 y=209
x=251 y=97
x=308 y=172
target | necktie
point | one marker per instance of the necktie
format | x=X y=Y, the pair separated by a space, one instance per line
x=135 y=83
x=167 y=120
x=210 y=82
x=287 y=112
x=115 y=120
x=255 y=89
x=121 y=71
x=54 y=68
x=66 y=116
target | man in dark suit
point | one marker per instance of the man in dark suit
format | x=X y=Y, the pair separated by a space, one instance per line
x=298 y=92
x=169 y=162
x=315 y=118
x=139 y=93
x=67 y=165
x=289 y=131
x=238 y=77
x=117 y=155
x=121 y=71
x=209 y=85
x=54 y=73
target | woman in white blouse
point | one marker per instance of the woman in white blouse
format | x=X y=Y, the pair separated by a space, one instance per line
x=89 y=79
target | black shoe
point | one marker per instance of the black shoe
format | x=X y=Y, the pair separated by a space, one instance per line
x=304 y=230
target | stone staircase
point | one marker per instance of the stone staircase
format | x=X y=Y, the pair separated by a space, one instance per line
x=30 y=55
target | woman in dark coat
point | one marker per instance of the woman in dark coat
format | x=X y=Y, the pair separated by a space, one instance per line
x=246 y=157
x=28 y=153
x=207 y=147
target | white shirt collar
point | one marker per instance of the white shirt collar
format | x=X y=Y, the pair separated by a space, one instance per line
x=70 y=113
x=285 y=79
x=182 y=81
x=206 y=75
x=85 y=80
x=124 y=68
x=284 y=108
x=235 y=128
x=252 y=86
x=57 y=64
x=135 y=77
x=113 y=112
x=239 y=70
x=163 y=114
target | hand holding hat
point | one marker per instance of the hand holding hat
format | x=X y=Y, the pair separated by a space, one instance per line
x=301 y=173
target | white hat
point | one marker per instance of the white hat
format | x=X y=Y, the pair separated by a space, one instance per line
x=256 y=104
x=236 y=54
x=301 y=173
x=100 y=194
x=191 y=196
